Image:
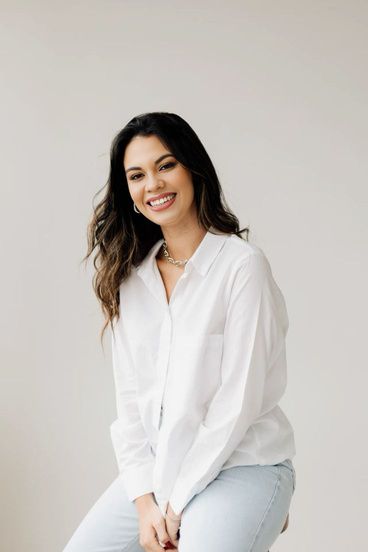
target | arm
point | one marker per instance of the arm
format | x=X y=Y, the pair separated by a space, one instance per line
x=132 y=449
x=254 y=333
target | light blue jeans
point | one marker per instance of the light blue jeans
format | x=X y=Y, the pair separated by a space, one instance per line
x=243 y=510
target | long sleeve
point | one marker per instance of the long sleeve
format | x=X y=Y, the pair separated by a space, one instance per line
x=254 y=335
x=132 y=449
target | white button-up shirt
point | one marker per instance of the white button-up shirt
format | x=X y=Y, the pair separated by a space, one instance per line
x=198 y=379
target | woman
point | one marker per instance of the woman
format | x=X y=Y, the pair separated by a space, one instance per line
x=198 y=347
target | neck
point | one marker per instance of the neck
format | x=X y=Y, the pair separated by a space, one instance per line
x=181 y=245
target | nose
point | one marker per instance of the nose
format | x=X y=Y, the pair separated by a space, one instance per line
x=154 y=183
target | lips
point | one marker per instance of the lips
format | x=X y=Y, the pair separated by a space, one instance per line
x=164 y=205
x=160 y=196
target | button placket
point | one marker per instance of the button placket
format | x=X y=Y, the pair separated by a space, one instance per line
x=165 y=342
x=163 y=362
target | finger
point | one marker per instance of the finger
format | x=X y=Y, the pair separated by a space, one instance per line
x=173 y=530
x=162 y=534
x=152 y=545
x=175 y=541
x=174 y=537
x=171 y=543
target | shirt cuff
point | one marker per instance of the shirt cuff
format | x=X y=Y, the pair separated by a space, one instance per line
x=138 y=481
x=179 y=499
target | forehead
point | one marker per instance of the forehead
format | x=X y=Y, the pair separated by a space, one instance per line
x=143 y=149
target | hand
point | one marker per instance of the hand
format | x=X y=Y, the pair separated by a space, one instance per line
x=172 y=527
x=152 y=527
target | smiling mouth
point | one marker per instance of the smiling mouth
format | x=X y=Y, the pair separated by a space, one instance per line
x=169 y=199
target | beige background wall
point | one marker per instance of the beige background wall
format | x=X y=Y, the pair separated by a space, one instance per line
x=277 y=91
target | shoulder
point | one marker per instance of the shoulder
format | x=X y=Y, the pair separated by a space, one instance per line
x=251 y=273
x=246 y=256
x=243 y=248
x=254 y=275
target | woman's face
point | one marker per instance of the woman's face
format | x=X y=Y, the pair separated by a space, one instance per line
x=151 y=170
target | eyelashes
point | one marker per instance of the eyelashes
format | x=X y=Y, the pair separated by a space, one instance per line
x=170 y=164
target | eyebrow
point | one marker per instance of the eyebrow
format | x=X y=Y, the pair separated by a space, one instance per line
x=157 y=161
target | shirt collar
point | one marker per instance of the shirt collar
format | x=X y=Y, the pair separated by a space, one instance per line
x=201 y=260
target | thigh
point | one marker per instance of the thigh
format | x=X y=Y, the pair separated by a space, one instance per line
x=243 y=510
x=111 y=525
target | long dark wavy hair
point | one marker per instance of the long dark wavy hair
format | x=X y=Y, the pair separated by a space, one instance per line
x=123 y=237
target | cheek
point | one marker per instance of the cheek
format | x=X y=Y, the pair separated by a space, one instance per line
x=188 y=194
x=186 y=190
x=135 y=193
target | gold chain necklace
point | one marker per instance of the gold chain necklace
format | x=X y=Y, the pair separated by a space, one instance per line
x=170 y=259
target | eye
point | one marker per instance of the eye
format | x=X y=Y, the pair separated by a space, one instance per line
x=170 y=164
x=134 y=175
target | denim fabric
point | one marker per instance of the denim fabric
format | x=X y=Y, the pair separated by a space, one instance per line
x=242 y=510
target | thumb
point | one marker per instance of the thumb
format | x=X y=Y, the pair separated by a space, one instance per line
x=163 y=535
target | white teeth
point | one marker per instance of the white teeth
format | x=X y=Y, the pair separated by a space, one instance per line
x=162 y=200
